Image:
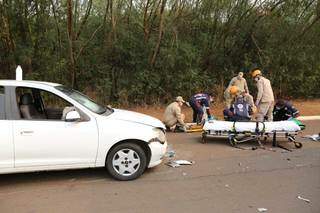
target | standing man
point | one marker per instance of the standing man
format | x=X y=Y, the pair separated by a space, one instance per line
x=173 y=118
x=265 y=97
x=240 y=82
x=198 y=102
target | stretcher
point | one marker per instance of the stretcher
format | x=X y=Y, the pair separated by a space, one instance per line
x=239 y=132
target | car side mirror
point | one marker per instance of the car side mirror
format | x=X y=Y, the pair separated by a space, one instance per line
x=72 y=116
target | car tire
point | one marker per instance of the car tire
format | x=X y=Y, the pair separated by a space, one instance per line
x=126 y=161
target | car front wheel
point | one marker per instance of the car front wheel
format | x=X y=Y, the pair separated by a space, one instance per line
x=126 y=161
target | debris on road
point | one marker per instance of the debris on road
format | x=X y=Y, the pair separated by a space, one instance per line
x=304 y=199
x=184 y=162
x=170 y=152
x=315 y=137
x=262 y=209
x=301 y=165
x=178 y=163
x=227 y=186
x=172 y=164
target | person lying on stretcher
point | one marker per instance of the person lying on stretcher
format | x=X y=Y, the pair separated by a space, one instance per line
x=240 y=110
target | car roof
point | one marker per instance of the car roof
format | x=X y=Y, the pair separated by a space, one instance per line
x=27 y=83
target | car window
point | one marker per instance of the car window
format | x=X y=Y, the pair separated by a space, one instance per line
x=2 y=104
x=36 y=104
x=84 y=100
x=53 y=104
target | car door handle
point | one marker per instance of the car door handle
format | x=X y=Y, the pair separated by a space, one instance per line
x=26 y=132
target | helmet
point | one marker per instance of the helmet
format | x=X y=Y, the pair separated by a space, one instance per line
x=233 y=90
x=255 y=72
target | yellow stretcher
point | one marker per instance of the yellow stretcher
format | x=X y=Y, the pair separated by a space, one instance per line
x=193 y=127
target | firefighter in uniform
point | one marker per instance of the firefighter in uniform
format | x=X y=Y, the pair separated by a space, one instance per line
x=265 y=97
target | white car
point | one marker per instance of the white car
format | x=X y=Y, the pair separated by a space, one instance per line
x=47 y=126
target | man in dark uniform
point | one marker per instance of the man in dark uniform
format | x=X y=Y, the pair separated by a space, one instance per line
x=240 y=110
x=284 y=110
x=198 y=102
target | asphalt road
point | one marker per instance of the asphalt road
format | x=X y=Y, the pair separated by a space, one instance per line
x=223 y=179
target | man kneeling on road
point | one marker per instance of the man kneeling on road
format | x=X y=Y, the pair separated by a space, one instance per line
x=173 y=118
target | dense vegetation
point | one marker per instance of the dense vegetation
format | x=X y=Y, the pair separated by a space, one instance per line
x=147 y=51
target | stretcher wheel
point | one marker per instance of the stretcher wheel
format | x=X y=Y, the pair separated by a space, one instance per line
x=232 y=141
x=298 y=145
x=204 y=137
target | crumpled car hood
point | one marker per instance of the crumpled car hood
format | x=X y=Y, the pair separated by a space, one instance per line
x=136 y=117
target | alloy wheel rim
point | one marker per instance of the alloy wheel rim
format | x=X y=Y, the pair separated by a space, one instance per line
x=126 y=162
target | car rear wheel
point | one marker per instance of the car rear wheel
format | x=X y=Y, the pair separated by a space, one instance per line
x=126 y=161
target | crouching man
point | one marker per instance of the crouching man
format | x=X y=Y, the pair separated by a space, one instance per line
x=240 y=110
x=231 y=93
x=173 y=118
x=284 y=110
x=200 y=102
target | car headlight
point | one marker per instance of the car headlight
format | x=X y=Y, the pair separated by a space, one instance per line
x=159 y=136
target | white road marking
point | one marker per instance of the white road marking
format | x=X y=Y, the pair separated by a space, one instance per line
x=309 y=118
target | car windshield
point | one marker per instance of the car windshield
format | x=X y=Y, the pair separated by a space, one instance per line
x=84 y=100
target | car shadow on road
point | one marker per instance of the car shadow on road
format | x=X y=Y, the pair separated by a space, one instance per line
x=54 y=176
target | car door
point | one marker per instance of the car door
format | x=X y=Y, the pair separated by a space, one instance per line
x=6 y=140
x=54 y=142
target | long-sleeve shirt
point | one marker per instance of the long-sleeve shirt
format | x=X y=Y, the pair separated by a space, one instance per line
x=265 y=93
x=201 y=100
x=285 y=112
x=172 y=115
x=240 y=83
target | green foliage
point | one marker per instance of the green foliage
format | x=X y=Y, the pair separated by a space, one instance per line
x=204 y=44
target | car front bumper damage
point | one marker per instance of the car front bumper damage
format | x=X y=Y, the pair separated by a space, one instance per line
x=158 y=151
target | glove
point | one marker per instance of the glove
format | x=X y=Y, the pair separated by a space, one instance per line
x=211 y=117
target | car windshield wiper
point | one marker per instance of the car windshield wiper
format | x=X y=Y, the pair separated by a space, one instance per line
x=105 y=110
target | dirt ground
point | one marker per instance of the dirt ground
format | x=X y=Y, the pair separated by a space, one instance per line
x=222 y=179
x=306 y=108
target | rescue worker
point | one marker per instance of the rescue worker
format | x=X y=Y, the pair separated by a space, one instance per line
x=232 y=92
x=197 y=103
x=265 y=97
x=240 y=82
x=173 y=118
x=284 y=110
x=239 y=111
